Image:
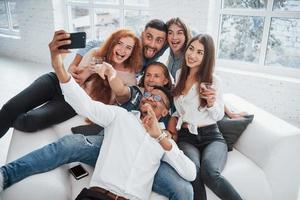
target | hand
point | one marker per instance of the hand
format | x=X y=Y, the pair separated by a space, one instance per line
x=239 y=115
x=210 y=96
x=60 y=38
x=82 y=74
x=172 y=127
x=104 y=69
x=73 y=71
x=150 y=122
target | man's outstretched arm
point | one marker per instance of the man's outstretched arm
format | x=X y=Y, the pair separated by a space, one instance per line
x=96 y=111
x=60 y=38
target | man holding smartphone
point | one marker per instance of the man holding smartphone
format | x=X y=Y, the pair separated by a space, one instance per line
x=74 y=148
x=127 y=163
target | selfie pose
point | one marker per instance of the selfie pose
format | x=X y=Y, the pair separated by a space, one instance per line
x=199 y=105
x=133 y=144
x=42 y=104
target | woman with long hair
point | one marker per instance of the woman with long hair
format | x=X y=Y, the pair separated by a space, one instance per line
x=199 y=105
x=178 y=37
x=42 y=104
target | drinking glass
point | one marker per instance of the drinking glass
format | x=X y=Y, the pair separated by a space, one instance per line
x=204 y=86
x=96 y=60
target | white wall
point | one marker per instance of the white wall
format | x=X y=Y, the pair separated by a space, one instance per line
x=37 y=23
x=275 y=94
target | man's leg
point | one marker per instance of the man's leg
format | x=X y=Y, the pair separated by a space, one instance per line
x=167 y=182
x=70 y=148
x=214 y=157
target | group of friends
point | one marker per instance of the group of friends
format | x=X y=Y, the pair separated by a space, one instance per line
x=159 y=132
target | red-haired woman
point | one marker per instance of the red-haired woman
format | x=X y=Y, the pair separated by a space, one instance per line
x=42 y=104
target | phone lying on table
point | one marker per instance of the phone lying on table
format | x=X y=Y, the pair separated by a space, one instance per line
x=77 y=41
x=78 y=172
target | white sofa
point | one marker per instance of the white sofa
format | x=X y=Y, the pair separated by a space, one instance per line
x=264 y=164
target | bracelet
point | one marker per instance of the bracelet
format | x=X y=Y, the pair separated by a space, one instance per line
x=162 y=136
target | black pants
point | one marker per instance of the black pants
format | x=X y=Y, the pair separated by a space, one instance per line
x=38 y=106
x=87 y=194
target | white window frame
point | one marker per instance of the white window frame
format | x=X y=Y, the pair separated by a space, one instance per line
x=268 y=14
x=10 y=30
x=92 y=5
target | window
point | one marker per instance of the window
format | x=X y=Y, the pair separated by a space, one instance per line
x=264 y=32
x=8 y=17
x=99 y=18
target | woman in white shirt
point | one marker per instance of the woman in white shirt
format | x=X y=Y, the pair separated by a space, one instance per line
x=196 y=116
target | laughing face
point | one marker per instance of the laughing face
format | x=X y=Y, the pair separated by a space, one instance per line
x=194 y=54
x=153 y=40
x=154 y=75
x=122 y=50
x=158 y=101
x=176 y=38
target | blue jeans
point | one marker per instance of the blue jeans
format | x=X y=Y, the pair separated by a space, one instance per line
x=85 y=149
x=209 y=153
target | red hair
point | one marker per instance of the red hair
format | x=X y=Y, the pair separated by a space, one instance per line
x=106 y=50
x=101 y=90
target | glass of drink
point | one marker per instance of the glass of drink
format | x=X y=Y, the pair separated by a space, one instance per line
x=96 y=60
x=204 y=86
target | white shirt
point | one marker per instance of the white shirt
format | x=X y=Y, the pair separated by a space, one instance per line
x=129 y=156
x=188 y=110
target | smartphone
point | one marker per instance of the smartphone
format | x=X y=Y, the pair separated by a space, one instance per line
x=77 y=41
x=78 y=172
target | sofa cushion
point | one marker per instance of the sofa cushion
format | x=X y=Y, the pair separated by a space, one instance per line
x=233 y=128
x=46 y=186
x=246 y=177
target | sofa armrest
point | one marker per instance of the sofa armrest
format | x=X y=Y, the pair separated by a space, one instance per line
x=273 y=145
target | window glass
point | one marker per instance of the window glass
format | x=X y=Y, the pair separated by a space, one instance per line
x=136 y=20
x=284 y=43
x=106 y=22
x=241 y=37
x=286 y=5
x=12 y=7
x=107 y=1
x=136 y=2
x=81 y=20
x=3 y=16
x=249 y=4
x=79 y=1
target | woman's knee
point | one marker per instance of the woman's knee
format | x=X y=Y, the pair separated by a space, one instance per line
x=191 y=152
x=209 y=174
x=28 y=123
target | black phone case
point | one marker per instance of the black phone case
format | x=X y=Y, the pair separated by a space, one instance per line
x=77 y=41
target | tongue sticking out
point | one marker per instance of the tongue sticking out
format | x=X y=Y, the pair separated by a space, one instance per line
x=149 y=52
